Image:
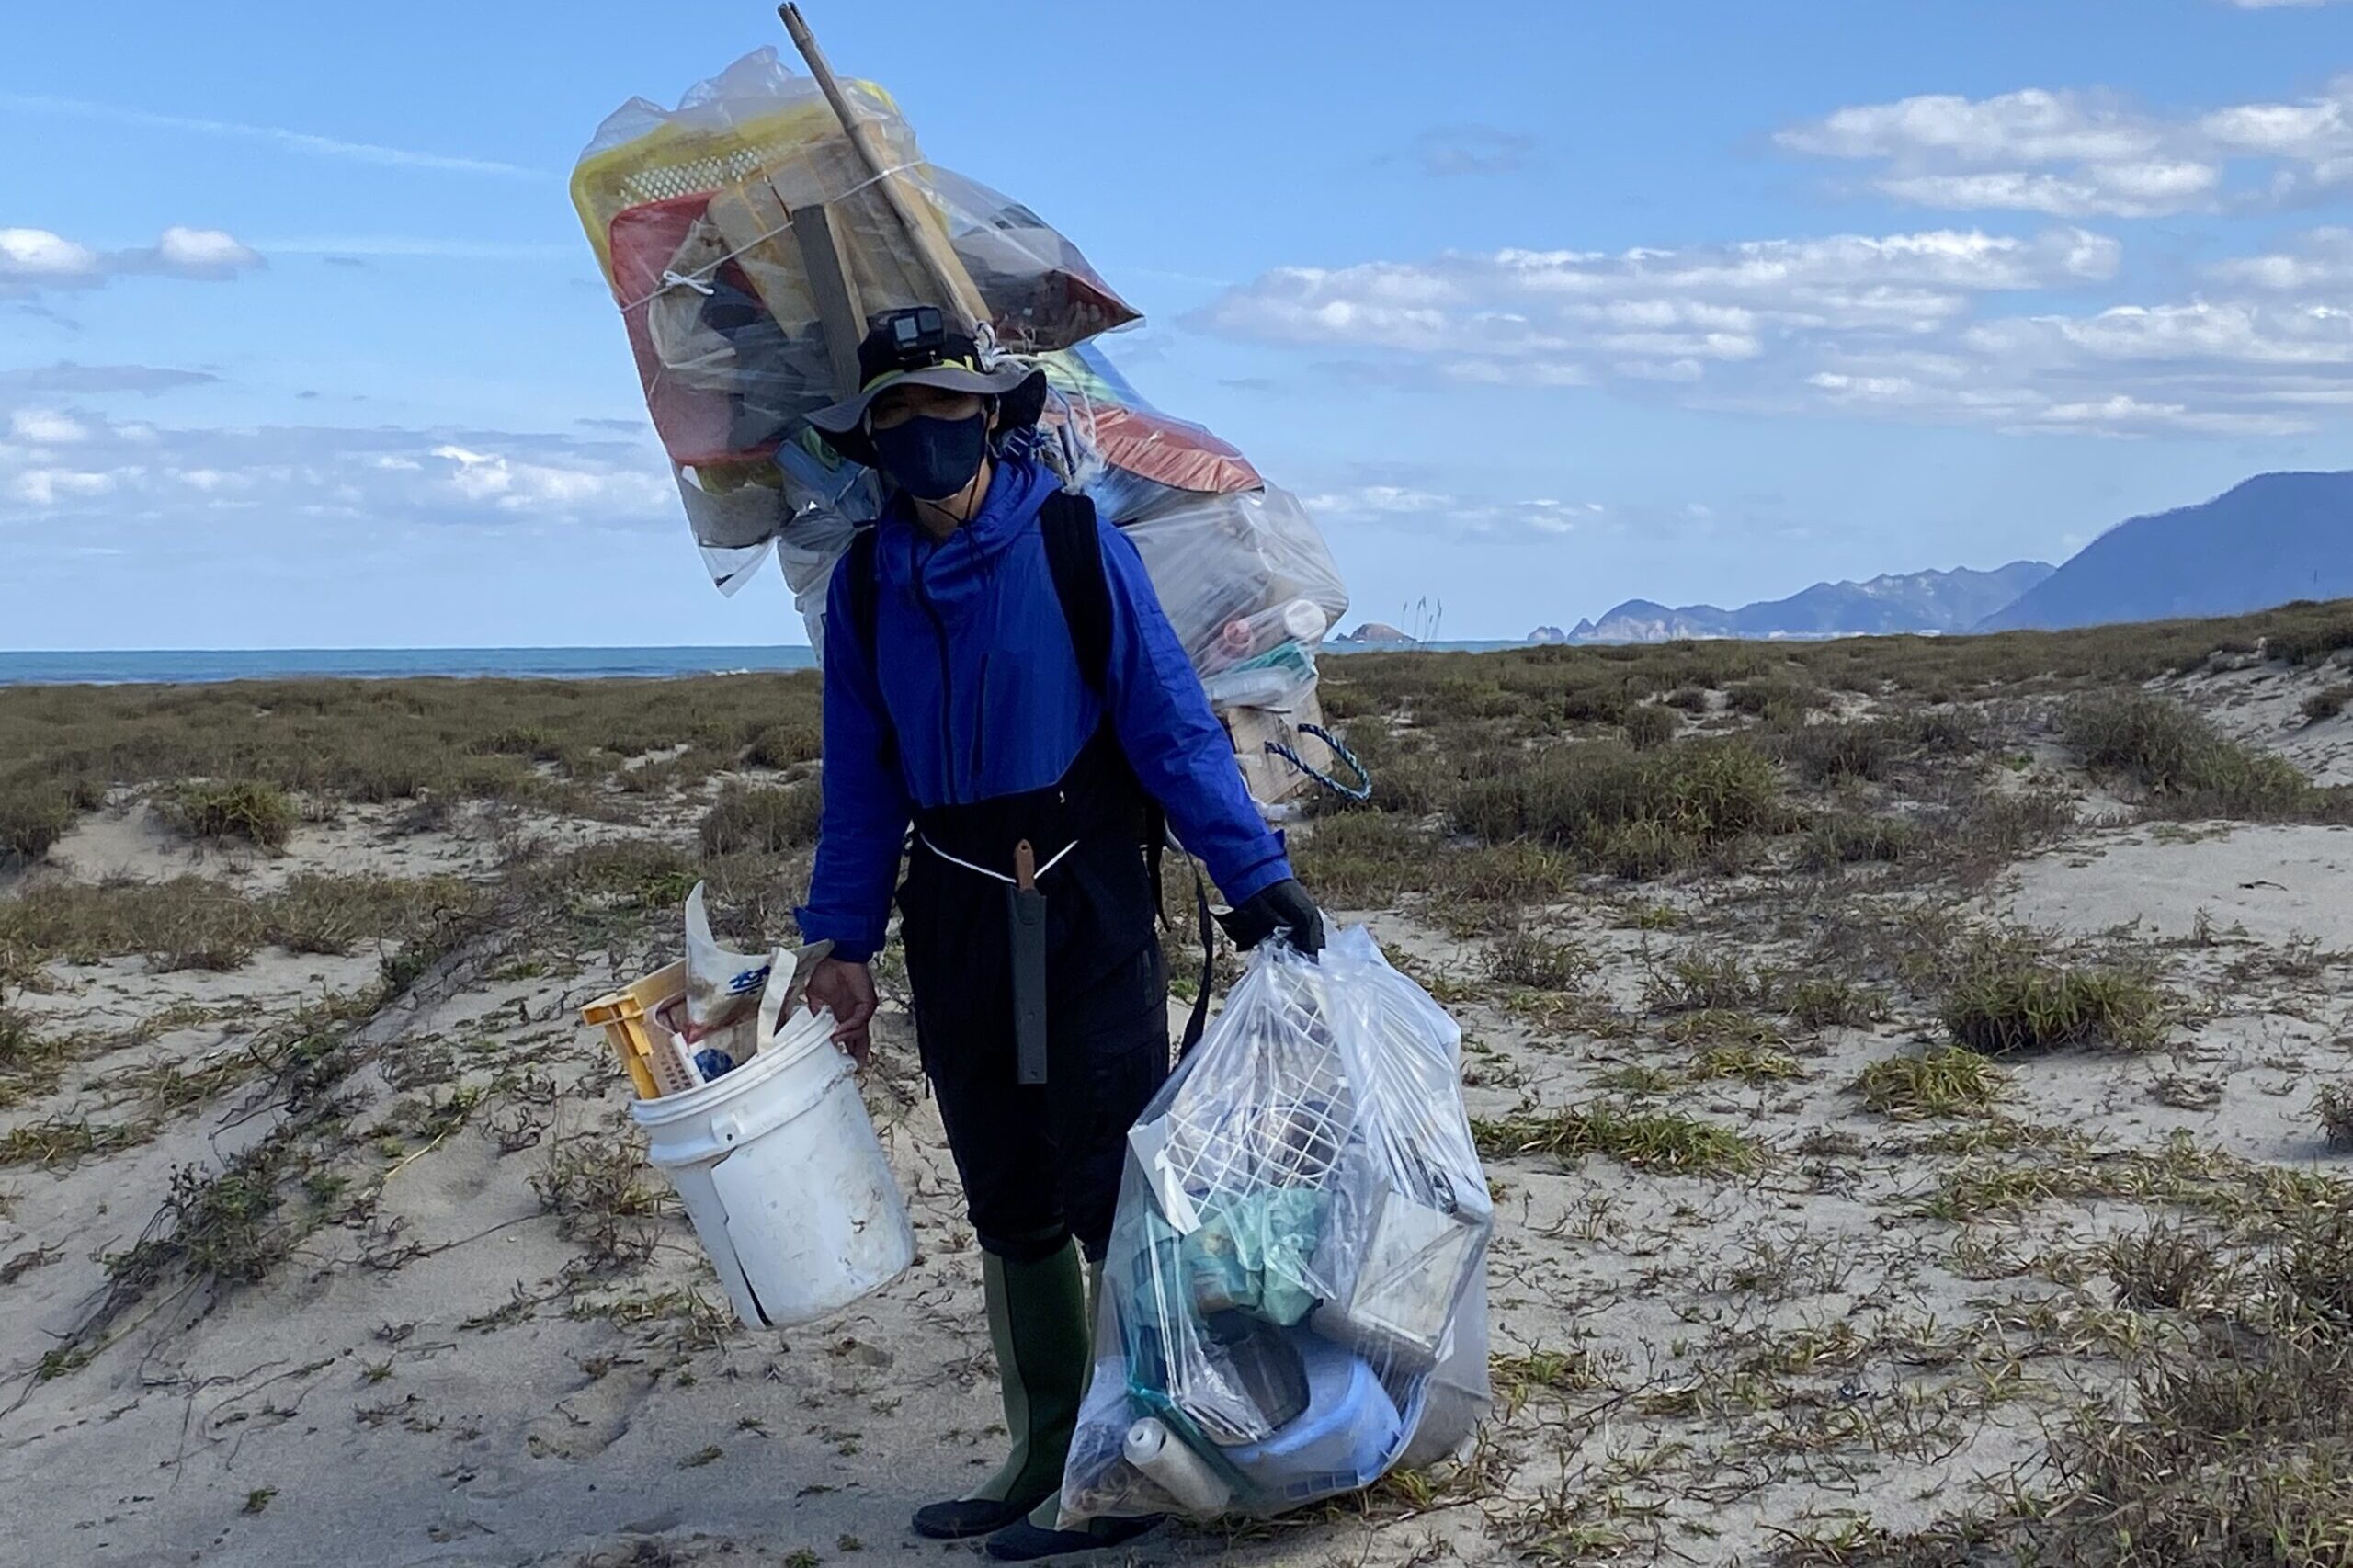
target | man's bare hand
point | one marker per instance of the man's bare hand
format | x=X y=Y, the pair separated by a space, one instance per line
x=847 y=990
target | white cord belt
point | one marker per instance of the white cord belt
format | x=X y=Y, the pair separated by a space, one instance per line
x=984 y=871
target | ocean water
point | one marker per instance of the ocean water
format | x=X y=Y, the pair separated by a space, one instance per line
x=389 y=663
x=178 y=666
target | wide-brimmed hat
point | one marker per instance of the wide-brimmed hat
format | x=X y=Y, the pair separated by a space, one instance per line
x=913 y=347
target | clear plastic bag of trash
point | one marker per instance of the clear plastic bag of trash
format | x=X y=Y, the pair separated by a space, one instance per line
x=1293 y=1302
x=700 y=217
x=1240 y=575
x=690 y=211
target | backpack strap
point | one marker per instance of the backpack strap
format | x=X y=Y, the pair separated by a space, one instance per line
x=1197 y=1019
x=1074 y=560
x=1075 y=557
x=865 y=597
x=863 y=592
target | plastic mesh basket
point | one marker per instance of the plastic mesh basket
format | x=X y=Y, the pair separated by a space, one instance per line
x=1284 y=1124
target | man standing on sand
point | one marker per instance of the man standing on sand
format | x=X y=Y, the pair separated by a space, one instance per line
x=999 y=672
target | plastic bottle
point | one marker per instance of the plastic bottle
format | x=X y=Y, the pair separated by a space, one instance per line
x=1257 y=688
x=1177 y=1469
x=1246 y=637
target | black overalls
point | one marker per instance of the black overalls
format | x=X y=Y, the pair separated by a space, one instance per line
x=1040 y=1162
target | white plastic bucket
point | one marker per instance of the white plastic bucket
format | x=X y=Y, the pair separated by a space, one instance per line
x=778 y=1168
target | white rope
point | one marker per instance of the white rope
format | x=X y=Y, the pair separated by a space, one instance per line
x=672 y=280
x=984 y=871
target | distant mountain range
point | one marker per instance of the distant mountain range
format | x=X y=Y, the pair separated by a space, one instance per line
x=2270 y=540
x=2275 y=537
x=1913 y=601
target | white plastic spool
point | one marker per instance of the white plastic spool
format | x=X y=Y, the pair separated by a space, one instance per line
x=1175 y=1469
x=778 y=1168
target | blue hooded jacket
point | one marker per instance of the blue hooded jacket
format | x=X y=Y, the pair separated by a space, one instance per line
x=980 y=688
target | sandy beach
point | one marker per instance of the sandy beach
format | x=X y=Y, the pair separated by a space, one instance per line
x=1892 y=1059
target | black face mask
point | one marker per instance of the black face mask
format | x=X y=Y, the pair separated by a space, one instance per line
x=932 y=459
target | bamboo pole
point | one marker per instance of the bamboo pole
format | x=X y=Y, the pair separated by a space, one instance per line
x=923 y=230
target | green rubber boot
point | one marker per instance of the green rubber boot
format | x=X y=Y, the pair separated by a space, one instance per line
x=1038 y=1323
x=1036 y=1534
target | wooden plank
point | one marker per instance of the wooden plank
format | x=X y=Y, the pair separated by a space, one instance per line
x=752 y=219
x=833 y=290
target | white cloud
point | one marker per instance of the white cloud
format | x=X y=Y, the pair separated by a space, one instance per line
x=2123 y=190
x=292 y=141
x=1425 y=513
x=201 y=253
x=46 y=427
x=2084 y=154
x=127 y=475
x=515 y=484
x=2229 y=332
x=1915 y=327
x=2058 y=402
x=212 y=481
x=34 y=259
x=2238 y=366
x=1384 y=500
x=2121 y=410
x=36 y=255
x=1562 y=316
x=47 y=486
x=2322 y=260
x=2033 y=126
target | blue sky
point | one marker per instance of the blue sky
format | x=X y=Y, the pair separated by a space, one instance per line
x=1541 y=307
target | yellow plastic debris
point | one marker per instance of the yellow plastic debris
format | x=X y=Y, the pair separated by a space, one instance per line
x=627 y=1017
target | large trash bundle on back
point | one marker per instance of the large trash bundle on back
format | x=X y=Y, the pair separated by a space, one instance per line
x=747 y=236
x=1294 y=1297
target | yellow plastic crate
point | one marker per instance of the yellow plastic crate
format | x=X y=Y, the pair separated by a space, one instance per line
x=674 y=160
x=627 y=1017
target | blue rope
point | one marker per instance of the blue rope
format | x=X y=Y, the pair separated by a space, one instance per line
x=1360 y=790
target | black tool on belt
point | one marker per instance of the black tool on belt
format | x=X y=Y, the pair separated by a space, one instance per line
x=1096 y=813
x=1026 y=938
x=1025 y=909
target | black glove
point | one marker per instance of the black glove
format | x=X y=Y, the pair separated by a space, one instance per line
x=1283 y=907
